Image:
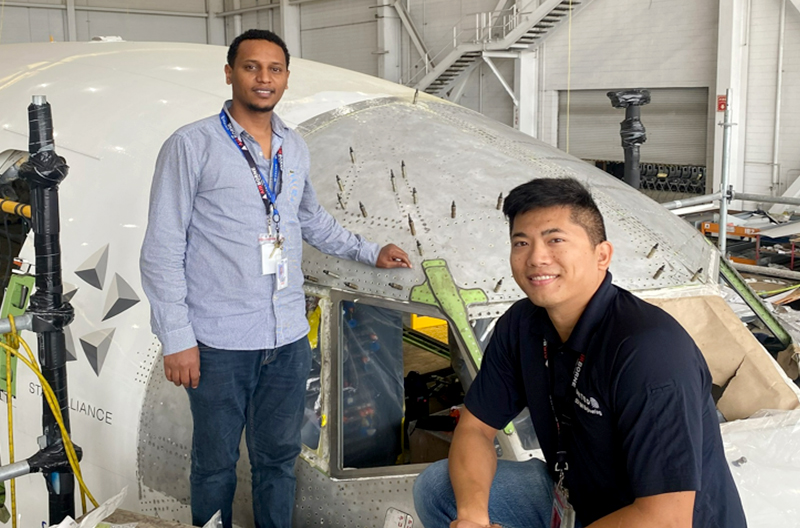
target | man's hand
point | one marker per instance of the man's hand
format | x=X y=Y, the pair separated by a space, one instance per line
x=392 y=256
x=183 y=368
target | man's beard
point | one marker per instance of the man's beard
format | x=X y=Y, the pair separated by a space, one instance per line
x=261 y=109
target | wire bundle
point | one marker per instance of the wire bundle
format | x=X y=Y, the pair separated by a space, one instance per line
x=12 y=348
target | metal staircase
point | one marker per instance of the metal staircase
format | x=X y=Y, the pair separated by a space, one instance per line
x=504 y=30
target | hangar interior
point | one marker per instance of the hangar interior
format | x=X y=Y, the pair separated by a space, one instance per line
x=687 y=53
x=544 y=68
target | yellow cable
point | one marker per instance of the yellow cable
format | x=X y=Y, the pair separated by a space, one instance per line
x=52 y=402
x=569 y=67
x=13 y=484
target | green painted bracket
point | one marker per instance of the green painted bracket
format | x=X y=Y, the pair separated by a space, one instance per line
x=15 y=302
x=440 y=290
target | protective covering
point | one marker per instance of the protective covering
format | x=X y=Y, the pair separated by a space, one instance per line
x=372 y=385
x=312 y=416
x=764 y=456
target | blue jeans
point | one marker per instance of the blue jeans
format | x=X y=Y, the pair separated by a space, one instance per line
x=264 y=390
x=521 y=495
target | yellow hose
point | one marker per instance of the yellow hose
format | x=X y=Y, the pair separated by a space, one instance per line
x=13 y=483
x=15 y=208
x=52 y=402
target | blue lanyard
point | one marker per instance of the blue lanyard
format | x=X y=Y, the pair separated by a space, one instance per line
x=268 y=195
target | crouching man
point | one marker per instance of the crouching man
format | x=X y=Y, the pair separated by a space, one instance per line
x=619 y=396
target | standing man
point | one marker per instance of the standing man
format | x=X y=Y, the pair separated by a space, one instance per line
x=618 y=393
x=230 y=207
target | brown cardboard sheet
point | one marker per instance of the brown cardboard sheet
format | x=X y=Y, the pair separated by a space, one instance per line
x=734 y=356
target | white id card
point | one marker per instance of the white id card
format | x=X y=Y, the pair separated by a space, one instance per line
x=270 y=254
x=283 y=274
x=563 y=515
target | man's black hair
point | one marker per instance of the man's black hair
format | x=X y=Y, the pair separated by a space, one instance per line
x=256 y=34
x=557 y=192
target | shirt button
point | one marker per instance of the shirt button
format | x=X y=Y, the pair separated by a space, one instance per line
x=275 y=297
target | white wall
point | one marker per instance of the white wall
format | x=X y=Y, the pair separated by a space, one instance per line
x=761 y=96
x=632 y=44
x=140 y=20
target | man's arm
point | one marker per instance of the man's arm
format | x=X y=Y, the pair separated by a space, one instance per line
x=162 y=260
x=472 y=463
x=667 y=510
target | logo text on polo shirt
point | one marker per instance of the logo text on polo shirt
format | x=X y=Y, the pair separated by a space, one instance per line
x=589 y=405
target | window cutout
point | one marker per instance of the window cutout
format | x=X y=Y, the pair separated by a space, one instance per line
x=397 y=388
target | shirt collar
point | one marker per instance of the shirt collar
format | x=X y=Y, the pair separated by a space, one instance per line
x=278 y=126
x=587 y=323
x=592 y=316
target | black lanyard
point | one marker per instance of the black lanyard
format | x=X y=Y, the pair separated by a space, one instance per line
x=268 y=195
x=563 y=421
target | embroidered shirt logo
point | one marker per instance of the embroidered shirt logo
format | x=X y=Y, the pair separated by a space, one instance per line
x=589 y=405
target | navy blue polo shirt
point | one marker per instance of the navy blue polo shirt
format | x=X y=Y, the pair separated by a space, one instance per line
x=644 y=422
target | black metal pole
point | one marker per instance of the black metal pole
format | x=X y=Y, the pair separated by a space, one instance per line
x=43 y=171
x=631 y=129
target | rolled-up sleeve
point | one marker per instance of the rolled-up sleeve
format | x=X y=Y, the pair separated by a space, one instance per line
x=162 y=260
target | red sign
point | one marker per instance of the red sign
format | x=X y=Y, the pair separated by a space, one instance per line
x=722 y=103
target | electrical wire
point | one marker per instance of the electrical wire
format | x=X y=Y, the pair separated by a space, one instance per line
x=2 y=18
x=569 y=67
x=12 y=342
x=52 y=402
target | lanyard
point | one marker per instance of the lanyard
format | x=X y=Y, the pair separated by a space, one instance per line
x=563 y=422
x=268 y=195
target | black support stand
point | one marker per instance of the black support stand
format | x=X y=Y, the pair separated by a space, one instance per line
x=44 y=171
x=632 y=130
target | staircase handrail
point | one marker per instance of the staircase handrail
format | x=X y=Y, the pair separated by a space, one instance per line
x=484 y=27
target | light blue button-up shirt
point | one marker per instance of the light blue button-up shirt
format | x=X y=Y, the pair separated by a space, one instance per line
x=201 y=259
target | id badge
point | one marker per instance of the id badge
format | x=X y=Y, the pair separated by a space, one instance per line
x=270 y=254
x=563 y=515
x=283 y=273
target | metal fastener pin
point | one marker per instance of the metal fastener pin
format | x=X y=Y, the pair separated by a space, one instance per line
x=498 y=285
